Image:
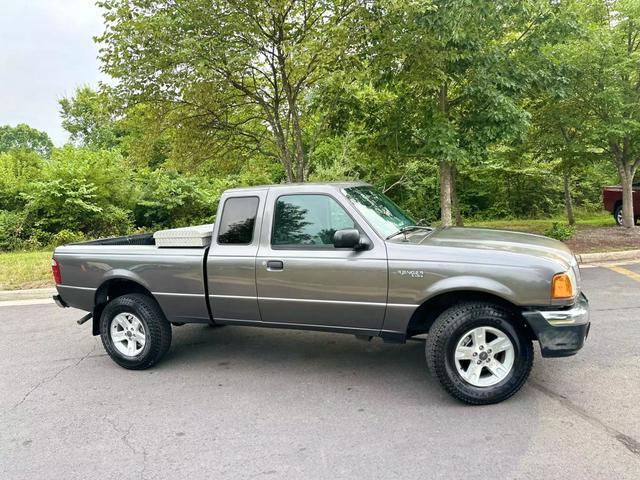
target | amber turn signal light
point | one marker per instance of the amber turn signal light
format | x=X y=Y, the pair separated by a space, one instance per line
x=561 y=287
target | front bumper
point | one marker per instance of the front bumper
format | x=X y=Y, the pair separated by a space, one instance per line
x=561 y=333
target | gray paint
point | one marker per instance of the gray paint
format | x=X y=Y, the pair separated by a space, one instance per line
x=373 y=290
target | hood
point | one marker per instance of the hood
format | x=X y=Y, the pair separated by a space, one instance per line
x=494 y=240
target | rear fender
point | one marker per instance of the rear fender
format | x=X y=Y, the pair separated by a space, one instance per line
x=102 y=293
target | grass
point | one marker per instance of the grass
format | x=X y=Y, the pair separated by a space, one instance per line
x=539 y=226
x=19 y=270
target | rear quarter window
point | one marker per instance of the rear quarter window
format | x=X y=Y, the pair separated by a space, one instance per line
x=238 y=221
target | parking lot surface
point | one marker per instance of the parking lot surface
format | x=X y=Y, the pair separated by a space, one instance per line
x=239 y=402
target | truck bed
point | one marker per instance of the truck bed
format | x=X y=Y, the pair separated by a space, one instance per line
x=198 y=236
x=140 y=239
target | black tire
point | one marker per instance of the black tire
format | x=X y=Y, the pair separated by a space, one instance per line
x=157 y=330
x=617 y=214
x=450 y=327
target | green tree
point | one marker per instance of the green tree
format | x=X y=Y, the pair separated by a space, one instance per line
x=88 y=117
x=239 y=72
x=458 y=63
x=608 y=85
x=24 y=137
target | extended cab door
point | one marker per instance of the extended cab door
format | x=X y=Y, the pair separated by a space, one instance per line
x=302 y=279
x=231 y=264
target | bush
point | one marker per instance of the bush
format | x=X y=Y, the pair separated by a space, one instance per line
x=12 y=234
x=17 y=169
x=560 y=231
x=64 y=237
x=169 y=199
x=82 y=191
x=74 y=205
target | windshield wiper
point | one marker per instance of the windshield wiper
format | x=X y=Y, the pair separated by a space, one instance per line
x=408 y=228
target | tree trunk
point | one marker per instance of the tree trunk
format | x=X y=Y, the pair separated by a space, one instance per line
x=445 y=193
x=626 y=178
x=297 y=156
x=297 y=135
x=455 y=206
x=445 y=166
x=568 y=203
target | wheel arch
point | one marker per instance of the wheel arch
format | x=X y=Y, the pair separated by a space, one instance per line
x=426 y=314
x=114 y=287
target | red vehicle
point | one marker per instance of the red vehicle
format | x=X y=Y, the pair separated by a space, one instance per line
x=612 y=199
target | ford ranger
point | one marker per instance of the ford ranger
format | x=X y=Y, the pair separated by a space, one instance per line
x=343 y=258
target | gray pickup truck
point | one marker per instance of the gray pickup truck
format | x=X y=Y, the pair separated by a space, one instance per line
x=343 y=258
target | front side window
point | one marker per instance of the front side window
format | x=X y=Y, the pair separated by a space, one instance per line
x=238 y=220
x=308 y=220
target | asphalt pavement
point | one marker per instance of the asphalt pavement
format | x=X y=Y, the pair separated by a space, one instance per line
x=240 y=403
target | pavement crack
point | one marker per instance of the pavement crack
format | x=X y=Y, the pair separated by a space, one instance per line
x=628 y=442
x=124 y=434
x=124 y=437
x=50 y=378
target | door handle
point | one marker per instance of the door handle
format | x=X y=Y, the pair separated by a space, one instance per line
x=275 y=265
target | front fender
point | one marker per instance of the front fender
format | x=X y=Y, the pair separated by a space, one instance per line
x=399 y=315
x=468 y=282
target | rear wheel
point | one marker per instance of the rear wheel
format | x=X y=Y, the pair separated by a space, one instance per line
x=479 y=355
x=134 y=331
x=617 y=214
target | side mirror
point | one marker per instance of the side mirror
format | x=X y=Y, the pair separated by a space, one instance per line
x=350 y=238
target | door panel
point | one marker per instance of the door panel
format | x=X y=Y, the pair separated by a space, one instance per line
x=317 y=284
x=232 y=287
x=320 y=288
x=231 y=264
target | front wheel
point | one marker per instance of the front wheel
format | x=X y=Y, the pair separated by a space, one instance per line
x=479 y=355
x=134 y=331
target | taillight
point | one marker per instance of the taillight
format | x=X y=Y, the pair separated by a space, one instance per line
x=55 y=269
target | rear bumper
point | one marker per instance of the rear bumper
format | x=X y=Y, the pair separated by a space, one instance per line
x=59 y=301
x=561 y=333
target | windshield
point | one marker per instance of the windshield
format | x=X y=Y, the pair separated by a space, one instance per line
x=384 y=216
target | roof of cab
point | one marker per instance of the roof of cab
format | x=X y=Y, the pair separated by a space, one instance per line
x=336 y=185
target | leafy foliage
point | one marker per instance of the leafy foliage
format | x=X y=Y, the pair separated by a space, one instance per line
x=560 y=231
x=167 y=198
x=457 y=109
x=11 y=230
x=89 y=119
x=23 y=137
x=235 y=73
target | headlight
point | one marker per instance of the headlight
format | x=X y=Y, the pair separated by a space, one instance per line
x=563 y=286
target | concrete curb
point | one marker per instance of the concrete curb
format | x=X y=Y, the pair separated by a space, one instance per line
x=32 y=294
x=587 y=258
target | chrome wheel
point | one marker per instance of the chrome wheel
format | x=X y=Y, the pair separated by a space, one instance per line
x=484 y=356
x=127 y=334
